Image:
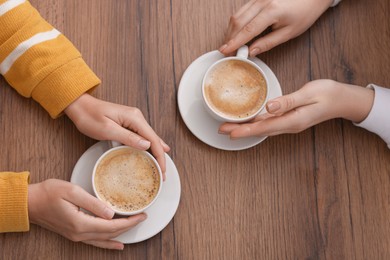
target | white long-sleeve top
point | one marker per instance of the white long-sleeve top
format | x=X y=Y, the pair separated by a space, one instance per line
x=378 y=120
x=335 y=2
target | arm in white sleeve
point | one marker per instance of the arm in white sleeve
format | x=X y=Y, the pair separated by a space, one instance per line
x=378 y=120
x=335 y=2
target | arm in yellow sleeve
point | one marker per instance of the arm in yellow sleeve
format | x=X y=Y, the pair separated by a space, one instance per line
x=38 y=61
x=13 y=202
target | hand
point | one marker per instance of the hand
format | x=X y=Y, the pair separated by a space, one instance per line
x=315 y=102
x=54 y=205
x=107 y=121
x=287 y=19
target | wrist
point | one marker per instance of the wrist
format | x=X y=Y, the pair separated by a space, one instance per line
x=75 y=105
x=321 y=6
x=329 y=3
x=74 y=110
x=33 y=202
x=356 y=102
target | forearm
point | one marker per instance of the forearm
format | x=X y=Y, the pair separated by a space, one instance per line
x=366 y=107
x=354 y=102
x=38 y=61
x=13 y=202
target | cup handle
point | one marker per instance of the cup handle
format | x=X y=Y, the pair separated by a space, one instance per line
x=243 y=52
x=112 y=144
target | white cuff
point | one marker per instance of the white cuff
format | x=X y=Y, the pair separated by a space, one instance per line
x=378 y=120
x=335 y=2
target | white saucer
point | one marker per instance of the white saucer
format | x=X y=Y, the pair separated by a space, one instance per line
x=159 y=214
x=195 y=116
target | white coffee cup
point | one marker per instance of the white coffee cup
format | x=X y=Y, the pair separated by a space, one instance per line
x=235 y=89
x=118 y=182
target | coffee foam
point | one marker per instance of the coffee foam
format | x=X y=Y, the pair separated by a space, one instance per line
x=235 y=89
x=127 y=179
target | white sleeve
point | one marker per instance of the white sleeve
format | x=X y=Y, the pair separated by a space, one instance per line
x=378 y=120
x=335 y=2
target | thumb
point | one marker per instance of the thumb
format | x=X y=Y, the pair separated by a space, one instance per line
x=83 y=199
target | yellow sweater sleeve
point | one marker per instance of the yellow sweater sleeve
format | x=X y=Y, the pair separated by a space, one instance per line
x=38 y=61
x=13 y=202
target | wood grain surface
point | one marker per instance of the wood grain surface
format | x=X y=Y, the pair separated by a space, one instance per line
x=320 y=194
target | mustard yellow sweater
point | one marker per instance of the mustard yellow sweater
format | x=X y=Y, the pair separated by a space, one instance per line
x=38 y=62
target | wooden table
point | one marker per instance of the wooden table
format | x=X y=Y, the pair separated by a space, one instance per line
x=320 y=194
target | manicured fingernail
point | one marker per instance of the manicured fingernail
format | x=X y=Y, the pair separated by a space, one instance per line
x=121 y=247
x=144 y=144
x=254 y=52
x=223 y=47
x=164 y=143
x=142 y=217
x=108 y=213
x=273 y=106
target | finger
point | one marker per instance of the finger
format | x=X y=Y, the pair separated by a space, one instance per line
x=269 y=41
x=260 y=128
x=107 y=244
x=262 y=117
x=165 y=146
x=245 y=8
x=129 y=138
x=234 y=23
x=283 y=104
x=94 y=228
x=102 y=236
x=287 y=118
x=112 y=228
x=227 y=128
x=79 y=197
x=293 y=121
x=159 y=153
x=139 y=125
x=248 y=32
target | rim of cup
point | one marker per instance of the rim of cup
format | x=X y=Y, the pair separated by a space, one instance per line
x=217 y=115
x=127 y=213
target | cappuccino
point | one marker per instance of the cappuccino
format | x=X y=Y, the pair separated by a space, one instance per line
x=235 y=89
x=127 y=179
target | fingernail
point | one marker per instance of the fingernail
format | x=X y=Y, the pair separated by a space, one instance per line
x=121 y=247
x=222 y=132
x=223 y=47
x=254 y=52
x=108 y=213
x=164 y=143
x=144 y=144
x=273 y=106
x=142 y=217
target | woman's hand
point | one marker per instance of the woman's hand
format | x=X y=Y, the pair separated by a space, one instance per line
x=108 y=121
x=315 y=102
x=287 y=18
x=55 y=205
